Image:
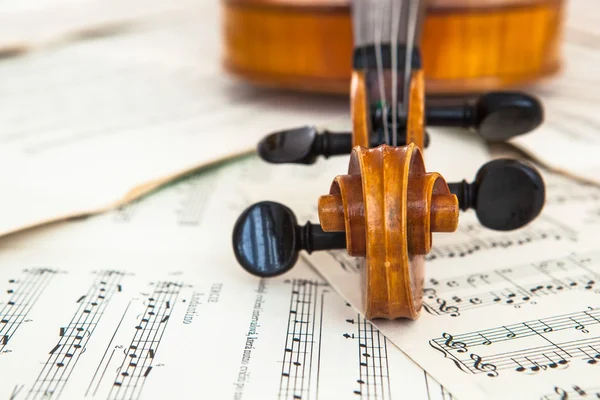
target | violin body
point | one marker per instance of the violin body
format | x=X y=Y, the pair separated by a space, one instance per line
x=467 y=46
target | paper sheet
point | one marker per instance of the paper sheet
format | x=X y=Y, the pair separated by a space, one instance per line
x=118 y=326
x=569 y=139
x=506 y=315
x=148 y=302
x=31 y=25
x=100 y=122
x=484 y=289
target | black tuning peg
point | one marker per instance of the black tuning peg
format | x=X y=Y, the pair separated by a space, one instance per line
x=506 y=194
x=303 y=145
x=267 y=239
x=497 y=116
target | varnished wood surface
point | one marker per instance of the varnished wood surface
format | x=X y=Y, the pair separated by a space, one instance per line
x=388 y=206
x=359 y=110
x=468 y=46
x=415 y=129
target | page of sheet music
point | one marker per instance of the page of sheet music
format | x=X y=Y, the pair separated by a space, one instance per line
x=506 y=314
x=100 y=122
x=148 y=302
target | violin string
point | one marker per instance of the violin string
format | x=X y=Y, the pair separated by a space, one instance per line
x=411 y=29
x=396 y=14
x=362 y=8
x=378 y=55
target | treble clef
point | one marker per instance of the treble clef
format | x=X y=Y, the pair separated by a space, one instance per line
x=484 y=367
x=459 y=346
x=452 y=310
x=561 y=392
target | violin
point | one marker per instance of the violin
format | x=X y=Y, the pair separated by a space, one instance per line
x=384 y=209
x=466 y=47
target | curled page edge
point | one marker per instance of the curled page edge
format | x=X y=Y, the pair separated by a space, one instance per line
x=133 y=194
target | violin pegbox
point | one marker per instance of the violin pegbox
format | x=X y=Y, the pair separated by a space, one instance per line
x=388 y=206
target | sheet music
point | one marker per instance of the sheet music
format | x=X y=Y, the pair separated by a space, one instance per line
x=112 y=307
x=505 y=315
x=101 y=122
x=569 y=140
x=483 y=287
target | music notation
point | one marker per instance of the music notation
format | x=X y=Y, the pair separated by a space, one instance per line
x=22 y=294
x=514 y=286
x=345 y=262
x=301 y=339
x=130 y=355
x=374 y=379
x=75 y=335
x=473 y=238
x=547 y=344
x=562 y=190
x=137 y=360
x=187 y=198
x=194 y=197
x=330 y=351
x=573 y=392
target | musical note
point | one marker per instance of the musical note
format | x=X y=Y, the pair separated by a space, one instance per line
x=486 y=341
x=535 y=366
x=579 y=327
x=546 y=328
x=592 y=358
x=555 y=364
x=510 y=333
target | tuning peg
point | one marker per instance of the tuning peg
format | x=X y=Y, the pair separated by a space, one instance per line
x=303 y=145
x=267 y=239
x=506 y=194
x=497 y=116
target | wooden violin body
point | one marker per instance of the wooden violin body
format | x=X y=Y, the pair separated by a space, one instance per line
x=467 y=46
